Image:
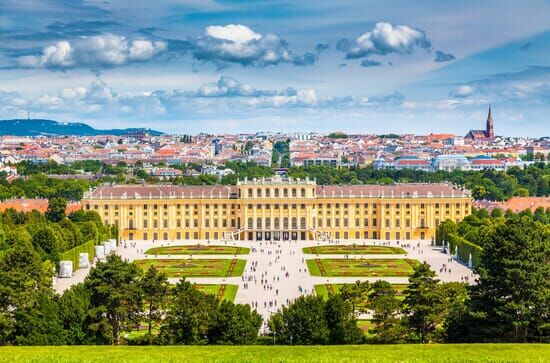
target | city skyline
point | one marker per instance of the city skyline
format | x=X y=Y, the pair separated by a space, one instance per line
x=229 y=66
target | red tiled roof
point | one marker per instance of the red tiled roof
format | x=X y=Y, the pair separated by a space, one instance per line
x=27 y=205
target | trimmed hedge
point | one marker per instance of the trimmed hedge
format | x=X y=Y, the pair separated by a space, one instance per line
x=464 y=249
x=74 y=253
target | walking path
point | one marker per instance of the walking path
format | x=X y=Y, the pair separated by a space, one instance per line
x=276 y=272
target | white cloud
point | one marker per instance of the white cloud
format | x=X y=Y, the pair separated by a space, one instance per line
x=462 y=91
x=234 y=32
x=384 y=39
x=97 y=51
x=236 y=43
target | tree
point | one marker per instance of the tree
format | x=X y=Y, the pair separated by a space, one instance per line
x=235 y=324
x=190 y=317
x=423 y=304
x=23 y=278
x=385 y=309
x=114 y=295
x=511 y=299
x=56 y=209
x=301 y=322
x=153 y=286
x=356 y=294
x=341 y=322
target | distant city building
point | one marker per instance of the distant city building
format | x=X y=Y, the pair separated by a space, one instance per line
x=450 y=162
x=483 y=135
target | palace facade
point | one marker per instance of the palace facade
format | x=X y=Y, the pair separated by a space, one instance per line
x=278 y=209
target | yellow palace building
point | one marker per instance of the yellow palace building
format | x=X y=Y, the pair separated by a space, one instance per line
x=278 y=209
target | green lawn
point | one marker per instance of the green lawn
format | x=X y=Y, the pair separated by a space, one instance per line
x=196 y=267
x=354 y=250
x=388 y=267
x=324 y=290
x=228 y=293
x=198 y=250
x=320 y=354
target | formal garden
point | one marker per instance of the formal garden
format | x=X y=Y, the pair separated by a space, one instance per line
x=198 y=249
x=222 y=292
x=390 y=267
x=196 y=267
x=325 y=290
x=354 y=249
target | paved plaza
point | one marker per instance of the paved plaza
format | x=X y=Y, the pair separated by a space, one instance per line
x=276 y=272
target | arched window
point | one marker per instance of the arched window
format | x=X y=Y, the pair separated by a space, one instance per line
x=259 y=223
x=276 y=223
x=303 y=223
x=250 y=223
x=285 y=222
x=267 y=223
x=285 y=192
x=250 y=193
x=294 y=192
x=303 y=192
x=276 y=192
x=268 y=193
x=259 y=193
x=294 y=223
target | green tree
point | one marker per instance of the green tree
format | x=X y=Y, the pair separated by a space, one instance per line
x=114 y=295
x=423 y=303
x=341 y=322
x=190 y=317
x=301 y=322
x=386 y=309
x=356 y=294
x=23 y=278
x=235 y=324
x=511 y=299
x=153 y=286
x=56 y=209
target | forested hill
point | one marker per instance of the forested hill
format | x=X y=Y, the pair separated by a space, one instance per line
x=36 y=127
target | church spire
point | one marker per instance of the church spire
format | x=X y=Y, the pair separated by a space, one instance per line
x=489 y=132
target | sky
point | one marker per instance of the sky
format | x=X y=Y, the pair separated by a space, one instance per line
x=358 y=66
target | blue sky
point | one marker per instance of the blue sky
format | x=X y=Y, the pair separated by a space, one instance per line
x=192 y=66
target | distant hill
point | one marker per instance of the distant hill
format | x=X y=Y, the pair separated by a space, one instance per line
x=37 y=127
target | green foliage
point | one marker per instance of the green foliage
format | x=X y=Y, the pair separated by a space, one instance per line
x=74 y=253
x=465 y=249
x=386 y=309
x=301 y=323
x=510 y=300
x=423 y=304
x=114 y=297
x=56 y=209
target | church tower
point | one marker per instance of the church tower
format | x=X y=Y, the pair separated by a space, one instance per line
x=489 y=132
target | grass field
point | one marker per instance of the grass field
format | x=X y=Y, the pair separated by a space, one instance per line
x=196 y=267
x=324 y=290
x=354 y=250
x=321 y=354
x=223 y=292
x=198 y=250
x=388 y=267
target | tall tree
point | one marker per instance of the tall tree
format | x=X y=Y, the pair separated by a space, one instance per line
x=153 y=286
x=114 y=295
x=356 y=294
x=301 y=322
x=511 y=300
x=56 y=209
x=190 y=317
x=385 y=309
x=423 y=303
x=341 y=322
x=235 y=324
